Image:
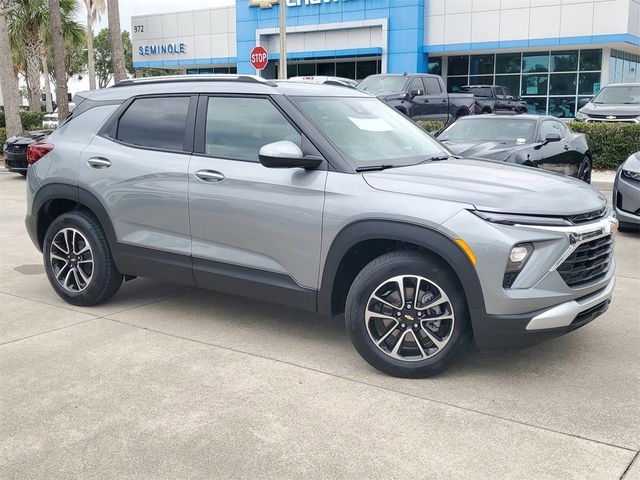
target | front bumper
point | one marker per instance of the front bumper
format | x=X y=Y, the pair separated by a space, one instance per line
x=523 y=330
x=15 y=162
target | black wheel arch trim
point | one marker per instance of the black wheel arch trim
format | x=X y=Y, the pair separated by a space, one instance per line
x=422 y=236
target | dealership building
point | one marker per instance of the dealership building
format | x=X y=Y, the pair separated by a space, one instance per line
x=550 y=52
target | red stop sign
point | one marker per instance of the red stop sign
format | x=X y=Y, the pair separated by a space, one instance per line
x=259 y=58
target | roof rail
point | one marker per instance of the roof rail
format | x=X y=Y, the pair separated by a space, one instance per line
x=220 y=77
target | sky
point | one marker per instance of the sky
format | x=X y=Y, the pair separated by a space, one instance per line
x=129 y=8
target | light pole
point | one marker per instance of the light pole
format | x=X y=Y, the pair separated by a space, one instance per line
x=282 y=74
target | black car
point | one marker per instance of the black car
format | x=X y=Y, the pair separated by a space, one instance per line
x=15 y=149
x=536 y=141
x=494 y=99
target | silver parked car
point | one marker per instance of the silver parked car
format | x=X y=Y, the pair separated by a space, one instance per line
x=626 y=193
x=323 y=198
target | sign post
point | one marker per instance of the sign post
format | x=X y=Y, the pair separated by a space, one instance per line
x=283 y=41
x=259 y=58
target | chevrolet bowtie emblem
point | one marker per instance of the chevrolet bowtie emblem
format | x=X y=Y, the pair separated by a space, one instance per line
x=611 y=117
x=409 y=317
x=262 y=3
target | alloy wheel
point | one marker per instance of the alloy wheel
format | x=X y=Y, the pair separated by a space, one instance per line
x=409 y=318
x=71 y=260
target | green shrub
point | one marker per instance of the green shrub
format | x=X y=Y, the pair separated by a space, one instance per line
x=3 y=137
x=2 y=125
x=431 y=125
x=611 y=142
x=31 y=120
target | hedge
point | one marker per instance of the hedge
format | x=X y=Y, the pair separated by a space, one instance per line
x=3 y=137
x=30 y=120
x=611 y=143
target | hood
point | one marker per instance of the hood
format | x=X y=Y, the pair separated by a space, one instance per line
x=610 y=109
x=487 y=149
x=632 y=163
x=492 y=186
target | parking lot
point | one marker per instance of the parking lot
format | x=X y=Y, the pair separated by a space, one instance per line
x=166 y=381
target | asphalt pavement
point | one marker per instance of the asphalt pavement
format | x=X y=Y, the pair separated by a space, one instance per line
x=165 y=381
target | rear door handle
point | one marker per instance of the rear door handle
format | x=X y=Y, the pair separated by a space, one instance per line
x=98 y=162
x=210 y=176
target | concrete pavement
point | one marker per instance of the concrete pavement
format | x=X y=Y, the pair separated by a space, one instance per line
x=166 y=381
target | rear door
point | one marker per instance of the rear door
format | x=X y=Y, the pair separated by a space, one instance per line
x=437 y=98
x=260 y=224
x=138 y=169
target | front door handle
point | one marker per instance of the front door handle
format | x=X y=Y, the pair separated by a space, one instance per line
x=98 y=162
x=210 y=176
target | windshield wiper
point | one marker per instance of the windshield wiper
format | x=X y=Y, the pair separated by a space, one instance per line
x=373 y=168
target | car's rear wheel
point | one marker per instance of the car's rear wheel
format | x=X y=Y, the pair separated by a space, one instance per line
x=584 y=172
x=78 y=261
x=406 y=315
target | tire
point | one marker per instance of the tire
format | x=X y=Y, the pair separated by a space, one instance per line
x=584 y=172
x=370 y=321
x=85 y=274
x=24 y=174
x=485 y=111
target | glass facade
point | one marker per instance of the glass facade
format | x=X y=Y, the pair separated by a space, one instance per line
x=551 y=82
x=624 y=67
x=355 y=68
x=199 y=71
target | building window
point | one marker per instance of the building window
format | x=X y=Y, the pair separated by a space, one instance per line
x=624 y=67
x=550 y=82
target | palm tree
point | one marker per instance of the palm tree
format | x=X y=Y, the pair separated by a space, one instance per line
x=59 y=54
x=8 y=81
x=117 y=50
x=26 y=23
x=95 y=9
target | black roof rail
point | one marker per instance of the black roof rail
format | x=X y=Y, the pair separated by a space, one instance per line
x=220 y=77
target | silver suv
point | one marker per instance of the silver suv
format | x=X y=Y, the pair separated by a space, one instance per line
x=323 y=198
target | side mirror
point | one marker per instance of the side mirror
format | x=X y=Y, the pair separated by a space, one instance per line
x=286 y=154
x=416 y=92
x=552 y=137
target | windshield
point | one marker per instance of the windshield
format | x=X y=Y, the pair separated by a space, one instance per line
x=478 y=91
x=503 y=130
x=368 y=132
x=621 y=95
x=383 y=84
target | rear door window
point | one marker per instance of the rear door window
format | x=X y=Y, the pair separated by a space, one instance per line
x=433 y=86
x=155 y=122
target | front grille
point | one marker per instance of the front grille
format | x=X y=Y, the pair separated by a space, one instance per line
x=588 y=217
x=16 y=148
x=589 y=262
x=616 y=117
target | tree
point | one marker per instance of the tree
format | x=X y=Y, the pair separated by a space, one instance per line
x=95 y=9
x=29 y=27
x=59 y=57
x=117 y=50
x=104 y=64
x=8 y=81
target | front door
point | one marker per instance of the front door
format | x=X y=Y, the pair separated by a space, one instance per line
x=252 y=225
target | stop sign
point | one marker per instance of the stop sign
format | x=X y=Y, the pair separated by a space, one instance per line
x=259 y=58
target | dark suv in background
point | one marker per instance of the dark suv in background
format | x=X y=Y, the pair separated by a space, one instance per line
x=495 y=99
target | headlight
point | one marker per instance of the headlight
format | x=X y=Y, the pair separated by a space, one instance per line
x=581 y=116
x=518 y=258
x=632 y=175
x=515 y=219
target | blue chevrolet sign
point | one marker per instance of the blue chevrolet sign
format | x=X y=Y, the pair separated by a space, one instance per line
x=162 y=49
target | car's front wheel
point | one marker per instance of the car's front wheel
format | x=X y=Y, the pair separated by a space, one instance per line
x=407 y=316
x=78 y=261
